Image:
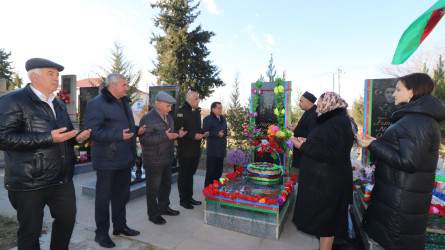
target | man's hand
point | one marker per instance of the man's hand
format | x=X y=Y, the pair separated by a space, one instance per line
x=171 y=136
x=292 y=127
x=84 y=135
x=206 y=134
x=198 y=136
x=229 y=133
x=182 y=132
x=59 y=135
x=221 y=134
x=126 y=135
x=142 y=129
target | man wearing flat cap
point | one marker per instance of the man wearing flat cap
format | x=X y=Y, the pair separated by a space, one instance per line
x=305 y=124
x=38 y=139
x=157 y=156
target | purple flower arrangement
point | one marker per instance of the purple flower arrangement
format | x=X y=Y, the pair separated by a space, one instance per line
x=236 y=157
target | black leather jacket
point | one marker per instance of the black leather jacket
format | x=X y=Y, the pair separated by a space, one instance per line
x=33 y=160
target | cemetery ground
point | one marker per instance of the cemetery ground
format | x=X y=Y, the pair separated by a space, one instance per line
x=8 y=232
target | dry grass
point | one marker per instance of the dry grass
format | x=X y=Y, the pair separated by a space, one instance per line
x=8 y=232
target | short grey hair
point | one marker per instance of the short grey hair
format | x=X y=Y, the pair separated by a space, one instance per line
x=190 y=93
x=36 y=70
x=114 y=78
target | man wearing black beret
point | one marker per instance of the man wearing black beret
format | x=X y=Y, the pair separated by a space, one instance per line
x=306 y=123
x=38 y=139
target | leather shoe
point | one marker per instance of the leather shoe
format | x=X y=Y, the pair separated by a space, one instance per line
x=157 y=220
x=187 y=205
x=126 y=231
x=104 y=241
x=170 y=212
x=195 y=202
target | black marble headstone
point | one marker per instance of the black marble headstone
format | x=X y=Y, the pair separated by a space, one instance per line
x=85 y=95
x=382 y=105
x=266 y=117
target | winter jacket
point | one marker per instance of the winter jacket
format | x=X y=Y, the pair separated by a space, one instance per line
x=33 y=160
x=157 y=149
x=190 y=120
x=107 y=118
x=304 y=126
x=406 y=156
x=216 y=146
x=325 y=178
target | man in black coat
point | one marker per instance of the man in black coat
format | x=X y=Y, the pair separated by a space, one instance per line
x=189 y=147
x=157 y=154
x=216 y=125
x=113 y=154
x=306 y=123
x=38 y=139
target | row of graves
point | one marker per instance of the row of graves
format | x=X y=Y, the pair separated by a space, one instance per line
x=378 y=106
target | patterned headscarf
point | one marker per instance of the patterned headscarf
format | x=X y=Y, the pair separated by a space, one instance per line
x=331 y=101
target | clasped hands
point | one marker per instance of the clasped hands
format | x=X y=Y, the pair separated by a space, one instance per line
x=201 y=136
x=298 y=141
x=364 y=140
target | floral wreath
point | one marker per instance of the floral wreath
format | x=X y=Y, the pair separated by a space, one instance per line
x=64 y=96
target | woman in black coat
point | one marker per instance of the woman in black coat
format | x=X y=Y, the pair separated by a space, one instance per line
x=325 y=182
x=407 y=155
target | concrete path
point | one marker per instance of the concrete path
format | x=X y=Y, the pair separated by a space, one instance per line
x=186 y=231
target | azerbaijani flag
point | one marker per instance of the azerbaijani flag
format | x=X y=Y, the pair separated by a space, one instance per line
x=418 y=31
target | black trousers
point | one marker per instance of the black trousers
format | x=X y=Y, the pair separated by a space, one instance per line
x=158 y=186
x=111 y=186
x=214 y=167
x=187 y=168
x=61 y=200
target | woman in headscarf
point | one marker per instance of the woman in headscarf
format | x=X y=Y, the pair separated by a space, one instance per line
x=325 y=182
x=406 y=157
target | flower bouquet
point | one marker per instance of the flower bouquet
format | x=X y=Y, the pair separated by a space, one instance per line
x=236 y=157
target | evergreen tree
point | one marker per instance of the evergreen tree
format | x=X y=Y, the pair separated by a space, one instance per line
x=271 y=72
x=237 y=117
x=181 y=54
x=5 y=67
x=357 y=111
x=439 y=90
x=16 y=83
x=119 y=64
x=284 y=76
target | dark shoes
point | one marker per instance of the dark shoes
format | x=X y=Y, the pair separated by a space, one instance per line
x=104 y=241
x=158 y=220
x=170 y=212
x=195 y=202
x=186 y=205
x=126 y=231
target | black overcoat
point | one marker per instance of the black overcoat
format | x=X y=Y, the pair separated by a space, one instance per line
x=325 y=180
x=407 y=155
x=304 y=126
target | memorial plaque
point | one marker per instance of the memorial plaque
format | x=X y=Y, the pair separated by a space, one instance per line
x=379 y=105
x=266 y=106
x=86 y=94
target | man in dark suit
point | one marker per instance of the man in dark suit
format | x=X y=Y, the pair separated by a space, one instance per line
x=113 y=155
x=189 y=147
x=216 y=125
x=306 y=123
x=157 y=155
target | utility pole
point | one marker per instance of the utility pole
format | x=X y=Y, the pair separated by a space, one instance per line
x=333 y=81
x=339 y=78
